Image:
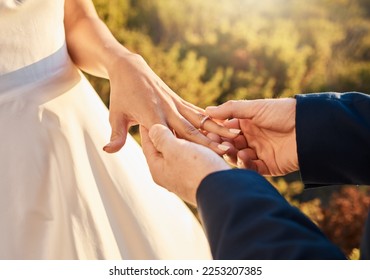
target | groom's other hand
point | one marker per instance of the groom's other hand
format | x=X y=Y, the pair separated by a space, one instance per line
x=176 y=164
x=267 y=143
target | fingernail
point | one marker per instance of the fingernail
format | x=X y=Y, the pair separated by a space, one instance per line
x=106 y=146
x=223 y=147
x=240 y=163
x=227 y=158
x=235 y=131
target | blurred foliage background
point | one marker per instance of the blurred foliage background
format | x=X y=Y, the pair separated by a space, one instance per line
x=211 y=51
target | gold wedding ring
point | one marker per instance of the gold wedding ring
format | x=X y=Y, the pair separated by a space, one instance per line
x=205 y=118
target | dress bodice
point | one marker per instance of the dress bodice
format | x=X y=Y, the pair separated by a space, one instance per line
x=30 y=30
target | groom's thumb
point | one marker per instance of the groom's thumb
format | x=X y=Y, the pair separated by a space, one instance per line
x=161 y=137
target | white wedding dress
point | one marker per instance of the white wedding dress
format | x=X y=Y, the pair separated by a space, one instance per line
x=61 y=196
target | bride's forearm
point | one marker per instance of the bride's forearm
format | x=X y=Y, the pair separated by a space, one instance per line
x=90 y=43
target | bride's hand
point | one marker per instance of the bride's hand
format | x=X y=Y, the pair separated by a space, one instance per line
x=139 y=96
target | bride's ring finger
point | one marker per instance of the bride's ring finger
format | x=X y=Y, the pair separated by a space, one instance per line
x=207 y=124
x=204 y=123
x=203 y=120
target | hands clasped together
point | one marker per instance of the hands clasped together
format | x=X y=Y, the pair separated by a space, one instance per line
x=138 y=96
x=256 y=134
x=266 y=144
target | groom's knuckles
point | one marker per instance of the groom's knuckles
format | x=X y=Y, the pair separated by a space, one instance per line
x=237 y=109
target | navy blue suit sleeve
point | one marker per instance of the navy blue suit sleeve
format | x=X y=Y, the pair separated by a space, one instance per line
x=246 y=218
x=333 y=142
x=333 y=138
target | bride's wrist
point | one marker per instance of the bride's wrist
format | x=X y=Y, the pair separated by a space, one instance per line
x=121 y=58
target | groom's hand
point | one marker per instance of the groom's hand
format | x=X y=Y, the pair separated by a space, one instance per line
x=176 y=164
x=267 y=143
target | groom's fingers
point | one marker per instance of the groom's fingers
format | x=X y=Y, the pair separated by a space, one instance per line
x=241 y=109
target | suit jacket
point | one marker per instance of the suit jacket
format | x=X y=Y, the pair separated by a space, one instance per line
x=246 y=218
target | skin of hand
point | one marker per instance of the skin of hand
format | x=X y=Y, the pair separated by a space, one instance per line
x=176 y=164
x=138 y=95
x=268 y=140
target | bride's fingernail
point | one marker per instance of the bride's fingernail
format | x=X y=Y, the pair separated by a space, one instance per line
x=223 y=147
x=106 y=146
x=234 y=131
